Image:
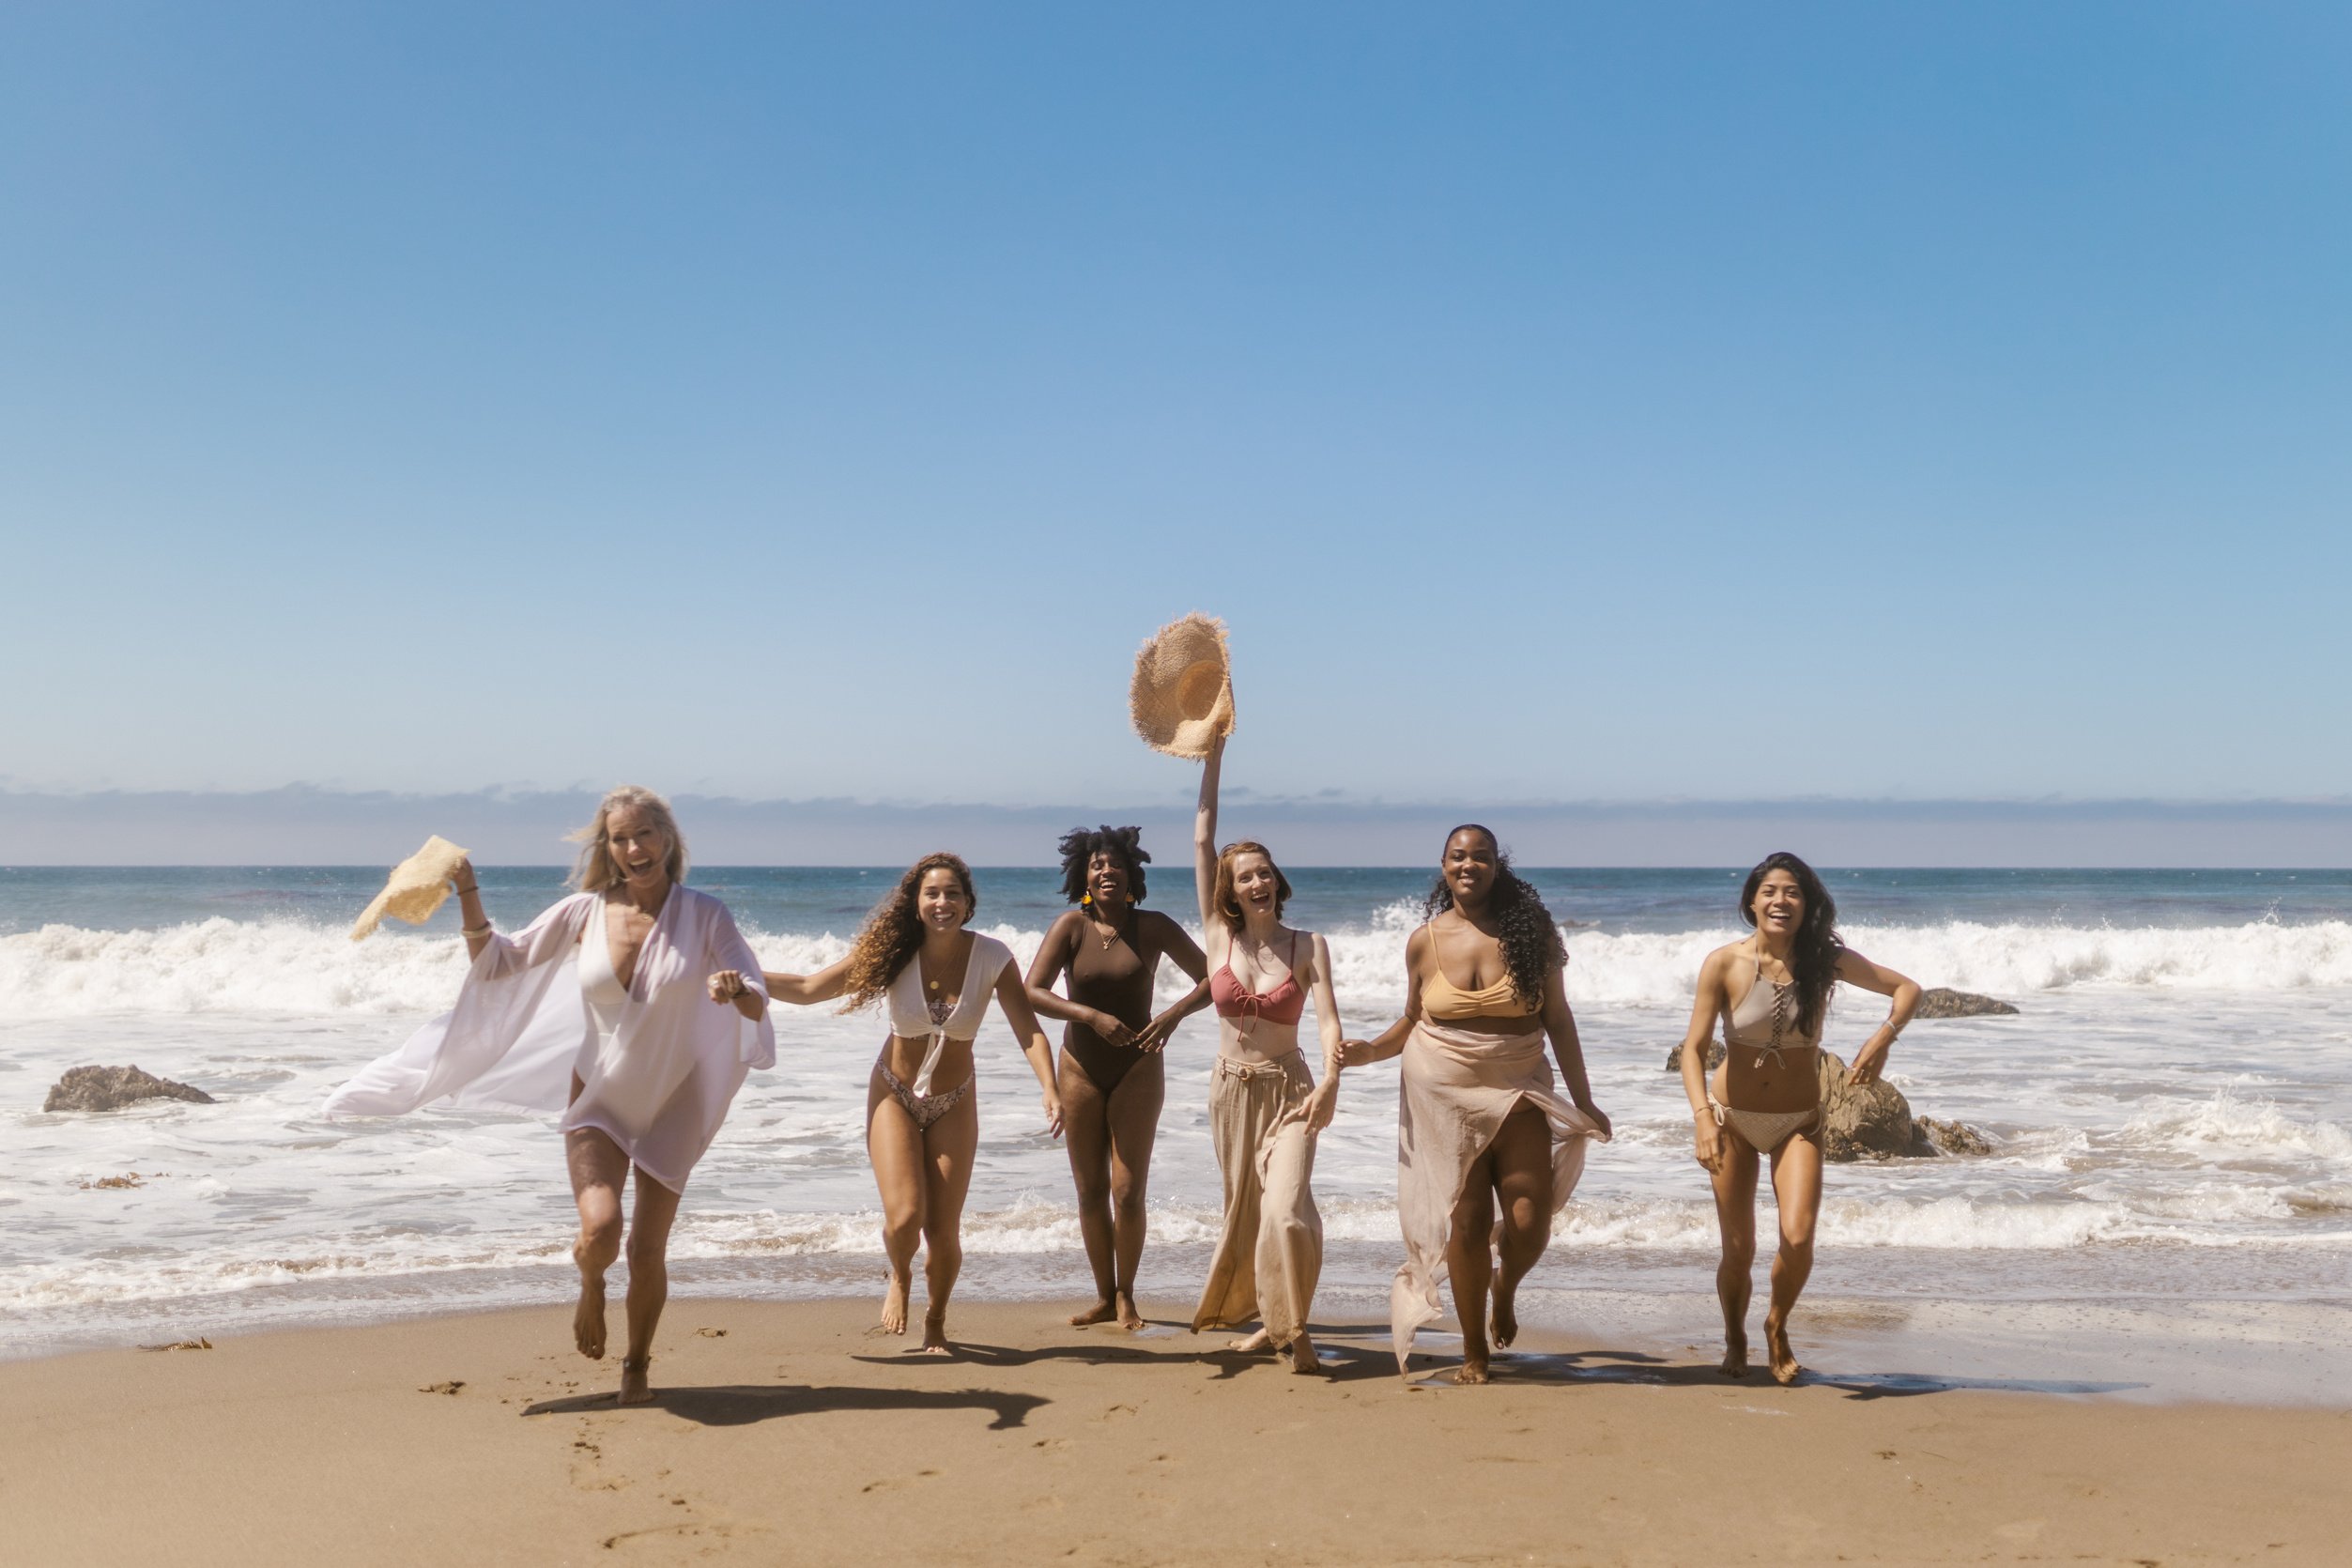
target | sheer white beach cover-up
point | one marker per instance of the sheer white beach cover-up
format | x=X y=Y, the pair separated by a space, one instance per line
x=1454 y=1089
x=659 y=1085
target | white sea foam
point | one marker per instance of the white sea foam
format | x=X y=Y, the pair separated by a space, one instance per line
x=288 y=969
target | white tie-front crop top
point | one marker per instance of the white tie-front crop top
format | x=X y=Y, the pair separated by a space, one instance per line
x=911 y=1015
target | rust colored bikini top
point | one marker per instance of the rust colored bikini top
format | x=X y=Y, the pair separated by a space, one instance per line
x=1285 y=1004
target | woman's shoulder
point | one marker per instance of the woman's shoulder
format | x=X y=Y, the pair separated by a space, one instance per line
x=696 y=902
x=1158 y=923
x=1722 y=957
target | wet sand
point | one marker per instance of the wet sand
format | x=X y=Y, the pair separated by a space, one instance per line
x=784 y=1433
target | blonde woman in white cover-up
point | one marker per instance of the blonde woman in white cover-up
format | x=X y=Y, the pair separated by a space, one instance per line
x=635 y=1008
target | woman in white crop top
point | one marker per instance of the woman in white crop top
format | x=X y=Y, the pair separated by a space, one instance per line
x=922 y=1122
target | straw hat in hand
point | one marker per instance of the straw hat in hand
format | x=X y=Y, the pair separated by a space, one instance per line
x=1183 y=697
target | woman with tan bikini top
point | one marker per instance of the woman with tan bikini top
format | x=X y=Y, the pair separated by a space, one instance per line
x=1772 y=991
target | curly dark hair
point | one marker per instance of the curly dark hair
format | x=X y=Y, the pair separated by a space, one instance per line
x=893 y=933
x=1081 y=844
x=1814 y=964
x=1531 y=942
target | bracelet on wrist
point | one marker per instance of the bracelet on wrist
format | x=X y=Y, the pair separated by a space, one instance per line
x=483 y=929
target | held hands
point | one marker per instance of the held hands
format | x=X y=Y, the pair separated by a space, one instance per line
x=727 y=985
x=1154 y=1035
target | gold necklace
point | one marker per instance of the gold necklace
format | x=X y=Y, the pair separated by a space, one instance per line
x=1106 y=938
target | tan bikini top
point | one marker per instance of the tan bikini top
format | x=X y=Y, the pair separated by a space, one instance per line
x=1765 y=1020
x=1443 y=1002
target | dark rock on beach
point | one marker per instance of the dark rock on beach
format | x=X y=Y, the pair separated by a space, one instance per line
x=1865 y=1121
x=1873 y=1121
x=1714 y=1056
x=1941 y=1002
x=112 y=1088
x=1953 y=1137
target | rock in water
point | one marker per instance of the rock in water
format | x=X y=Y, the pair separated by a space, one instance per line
x=1941 y=1002
x=112 y=1088
x=1865 y=1121
x=1953 y=1137
x=1714 y=1056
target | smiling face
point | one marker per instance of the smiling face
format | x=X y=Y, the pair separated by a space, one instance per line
x=1256 y=885
x=1469 y=867
x=940 y=901
x=637 y=846
x=1106 y=877
x=1778 y=907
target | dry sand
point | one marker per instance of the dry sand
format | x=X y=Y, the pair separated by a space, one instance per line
x=784 y=1434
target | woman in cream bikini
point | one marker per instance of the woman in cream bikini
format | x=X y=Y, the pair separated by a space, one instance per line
x=1264 y=1108
x=1772 y=991
x=922 y=1119
x=1480 y=1119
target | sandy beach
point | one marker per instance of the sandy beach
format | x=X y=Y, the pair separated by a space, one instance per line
x=786 y=1433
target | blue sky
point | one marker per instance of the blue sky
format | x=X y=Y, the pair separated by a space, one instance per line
x=1559 y=403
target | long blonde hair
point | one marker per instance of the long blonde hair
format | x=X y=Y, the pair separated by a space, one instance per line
x=596 y=870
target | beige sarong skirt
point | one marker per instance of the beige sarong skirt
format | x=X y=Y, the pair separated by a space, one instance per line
x=1454 y=1090
x=1271 y=1253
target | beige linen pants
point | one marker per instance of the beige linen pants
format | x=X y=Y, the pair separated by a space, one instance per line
x=1271 y=1253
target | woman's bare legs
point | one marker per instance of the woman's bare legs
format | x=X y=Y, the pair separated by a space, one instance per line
x=948 y=1145
x=1796 y=1183
x=1735 y=1219
x=1110 y=1138
x=1517 y=1169
x=649 y=1281
x=599 y=1170
x=896 y=1149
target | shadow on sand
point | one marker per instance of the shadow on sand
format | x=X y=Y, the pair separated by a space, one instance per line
x=743 y=1403
x=1343 y=1361
x=1625 y=1366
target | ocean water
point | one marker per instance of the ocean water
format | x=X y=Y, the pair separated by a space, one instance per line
x=2170 y=1111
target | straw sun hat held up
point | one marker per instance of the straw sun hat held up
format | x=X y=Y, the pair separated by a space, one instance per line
x=1183 y=697
x=415 y=889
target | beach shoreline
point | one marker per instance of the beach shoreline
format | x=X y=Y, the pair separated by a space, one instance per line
x=786 y=1432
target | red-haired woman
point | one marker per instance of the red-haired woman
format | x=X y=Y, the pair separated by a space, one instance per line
x=922 y=1118
x=1264 y=1108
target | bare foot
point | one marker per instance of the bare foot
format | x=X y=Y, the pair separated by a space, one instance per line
x=1250 y=1345
x=1101 y=1311
x=1129 y=1319
x=936 y=1336
x=1785 y=1370
x=637 y=1385
x=893 y=1308
x=588 y=1319
x=1506 y=1318
x=1734 y=1363
x=1472 y=1370
x=1302 y=1354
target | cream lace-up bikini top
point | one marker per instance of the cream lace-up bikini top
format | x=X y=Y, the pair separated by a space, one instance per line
x=1765 y=1020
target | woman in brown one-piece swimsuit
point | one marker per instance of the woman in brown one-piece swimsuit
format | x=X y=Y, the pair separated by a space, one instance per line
x=1112 y=1081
